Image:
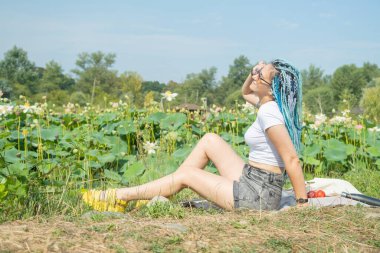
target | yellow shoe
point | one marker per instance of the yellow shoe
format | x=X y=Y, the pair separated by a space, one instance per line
x=104 y=200
x=141 y=203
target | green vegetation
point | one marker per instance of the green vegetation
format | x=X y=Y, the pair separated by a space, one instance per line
x=47 y=158
x=94 y=82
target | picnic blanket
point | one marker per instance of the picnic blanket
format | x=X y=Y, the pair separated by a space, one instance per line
x=333 y=189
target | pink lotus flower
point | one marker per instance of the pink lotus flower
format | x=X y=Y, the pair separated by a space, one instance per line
x=359 y=127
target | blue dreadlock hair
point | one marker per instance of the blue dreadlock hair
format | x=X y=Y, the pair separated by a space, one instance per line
x=287 y=91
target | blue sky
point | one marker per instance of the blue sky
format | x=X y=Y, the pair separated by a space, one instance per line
x=166 y=40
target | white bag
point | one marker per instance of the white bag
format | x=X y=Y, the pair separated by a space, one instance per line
x=332 y=187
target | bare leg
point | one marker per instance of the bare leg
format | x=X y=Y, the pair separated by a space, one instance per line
x=215 y=188
x=190 y=174
x=213 y=147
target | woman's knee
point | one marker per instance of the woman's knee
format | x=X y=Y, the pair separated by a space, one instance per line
x=185 y=174
x=211 y=138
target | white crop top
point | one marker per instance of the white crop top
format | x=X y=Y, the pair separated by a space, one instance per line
x=261 y=148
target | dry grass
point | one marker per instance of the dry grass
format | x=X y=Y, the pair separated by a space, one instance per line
x=339 y=229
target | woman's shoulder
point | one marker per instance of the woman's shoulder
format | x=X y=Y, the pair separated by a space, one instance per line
x=269 y=107
x=270 y=110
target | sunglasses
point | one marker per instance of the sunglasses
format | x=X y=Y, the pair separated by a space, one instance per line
x=258 y=72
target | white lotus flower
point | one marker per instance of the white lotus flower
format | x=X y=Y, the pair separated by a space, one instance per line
x=6 y=109
x=320 y=119
x=169 y=96
x=150 y=147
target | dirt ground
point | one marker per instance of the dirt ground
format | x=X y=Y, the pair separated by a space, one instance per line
x=338 y=229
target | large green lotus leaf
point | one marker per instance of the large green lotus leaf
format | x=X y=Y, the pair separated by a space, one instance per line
x=13 y=155
x=238 y=139
x=109 y=127
x=32 y=154
x=126 y=127
x=110 y=140
x=150 y=175
x=97 y=137
x=196 y=130
x=67 y=142
x=94 y=164
x=112 y=175
x=312 y=151
x=118 y=147
x=15 y=135
x=105 y=118
x=168 y=167
x=182 y=153
x=353 y=134
x=335 y=151
x=4 y=134
x=156 y=117
x=350 y=149
x=47 y=165
x=133 y=171
x=173 y=121
x=18 y=169
x=92 y=152
x=374 y=150
x=372 y=138
x=2 y=144
x=311 y=160
x=226 y=136
x=51 y=134
x=106 y=158
x=10 y=123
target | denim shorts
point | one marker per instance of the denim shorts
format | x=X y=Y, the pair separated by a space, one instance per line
x=258 y=189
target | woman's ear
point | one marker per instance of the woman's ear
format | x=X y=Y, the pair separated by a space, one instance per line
x=273 y=72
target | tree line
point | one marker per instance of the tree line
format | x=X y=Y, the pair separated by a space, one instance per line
x=94 y=81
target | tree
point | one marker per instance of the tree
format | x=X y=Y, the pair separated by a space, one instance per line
x=199 y=85
x=95 y=76
x=20 y=73
x=54 y=79
x=312 y=78
x=237 y=74
x=320 y=100
x=370 y=72
x=371 y=103
x=152 y=86
x=351 y=79
x=130 y=85
x=5 y=88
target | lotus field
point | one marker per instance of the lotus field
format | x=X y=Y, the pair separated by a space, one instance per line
x=47 y=155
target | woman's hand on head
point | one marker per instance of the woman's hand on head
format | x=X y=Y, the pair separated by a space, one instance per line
x=258 y=66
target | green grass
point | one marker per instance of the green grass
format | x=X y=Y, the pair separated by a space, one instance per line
x=328 y=229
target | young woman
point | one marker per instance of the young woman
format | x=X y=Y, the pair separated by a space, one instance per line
x=274 y=140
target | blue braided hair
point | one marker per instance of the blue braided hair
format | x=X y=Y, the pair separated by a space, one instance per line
x=287 y=91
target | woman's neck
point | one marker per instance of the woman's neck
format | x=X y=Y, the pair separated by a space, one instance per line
x=264 y=100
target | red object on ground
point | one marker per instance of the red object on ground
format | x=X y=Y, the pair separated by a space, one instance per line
x=311 y=194
x=316 y=194
x=320 y=194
